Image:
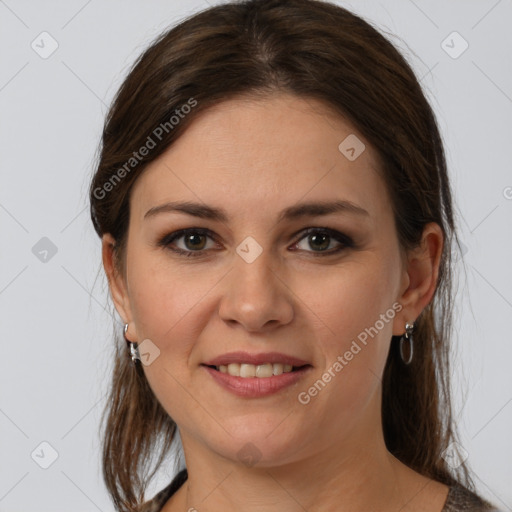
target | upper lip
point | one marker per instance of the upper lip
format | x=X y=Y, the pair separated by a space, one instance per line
x=256 y=359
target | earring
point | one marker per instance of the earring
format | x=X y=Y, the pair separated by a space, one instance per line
x=132 y=346
x=407 y=337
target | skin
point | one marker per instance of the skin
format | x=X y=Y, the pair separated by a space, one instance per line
x=254 y=157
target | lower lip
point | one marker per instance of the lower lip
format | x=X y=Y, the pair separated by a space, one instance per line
x=254 y=387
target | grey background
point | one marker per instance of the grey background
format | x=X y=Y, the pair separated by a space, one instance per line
x=56 y=321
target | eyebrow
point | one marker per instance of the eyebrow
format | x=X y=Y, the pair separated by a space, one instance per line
x=308 y=209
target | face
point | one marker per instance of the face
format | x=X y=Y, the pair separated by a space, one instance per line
x=258 y=271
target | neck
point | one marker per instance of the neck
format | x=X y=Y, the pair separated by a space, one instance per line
x=355 y=474
x=312 y=484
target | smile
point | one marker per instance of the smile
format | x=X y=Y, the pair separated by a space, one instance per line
x=253 y=381
x=245 y=370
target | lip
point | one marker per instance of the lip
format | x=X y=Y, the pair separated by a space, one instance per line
x=255 y=387
x=261 y=358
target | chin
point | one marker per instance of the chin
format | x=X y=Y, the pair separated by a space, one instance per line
x=255 y=447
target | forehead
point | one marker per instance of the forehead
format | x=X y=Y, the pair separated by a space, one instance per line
x=246 y=152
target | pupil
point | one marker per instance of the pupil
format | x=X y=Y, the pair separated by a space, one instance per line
x=322 y=238
x=194 y=241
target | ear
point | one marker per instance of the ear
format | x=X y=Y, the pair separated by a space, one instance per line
x=419 y=277
x=116 y=282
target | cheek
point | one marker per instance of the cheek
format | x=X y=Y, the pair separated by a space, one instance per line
x=356 y=305
x=167 y=309
x=351 y=298
x=164 y=300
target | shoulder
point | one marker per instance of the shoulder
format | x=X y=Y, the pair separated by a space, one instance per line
x=460 y=498
x=159 y=500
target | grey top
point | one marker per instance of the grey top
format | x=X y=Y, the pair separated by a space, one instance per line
x=459 y=498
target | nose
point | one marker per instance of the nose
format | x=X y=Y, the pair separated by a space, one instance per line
x=256 y=296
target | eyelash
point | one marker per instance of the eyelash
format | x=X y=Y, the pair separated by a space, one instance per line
x=167 y=240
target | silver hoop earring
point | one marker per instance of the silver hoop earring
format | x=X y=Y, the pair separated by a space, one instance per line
x=407 y=337
x=132 y=346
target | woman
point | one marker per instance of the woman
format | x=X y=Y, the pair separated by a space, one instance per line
x=277 y=229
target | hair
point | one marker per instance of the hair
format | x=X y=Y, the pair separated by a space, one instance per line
x=319 y=51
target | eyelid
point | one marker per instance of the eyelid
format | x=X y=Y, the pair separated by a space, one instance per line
x=345 y=240
x=167 y=239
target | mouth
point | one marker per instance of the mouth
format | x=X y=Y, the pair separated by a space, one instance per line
x=247 y=370
x=256 y=380
x=252 y=375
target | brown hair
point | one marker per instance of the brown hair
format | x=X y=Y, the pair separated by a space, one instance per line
x=315 y=50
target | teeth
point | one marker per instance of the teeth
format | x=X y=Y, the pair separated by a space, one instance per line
x=277 y=368
x=252 y=370
x=234 y=369
x=248 y=370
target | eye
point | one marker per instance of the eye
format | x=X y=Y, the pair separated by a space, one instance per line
x=194 y=241
x=188 y=242
x=321 y=240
